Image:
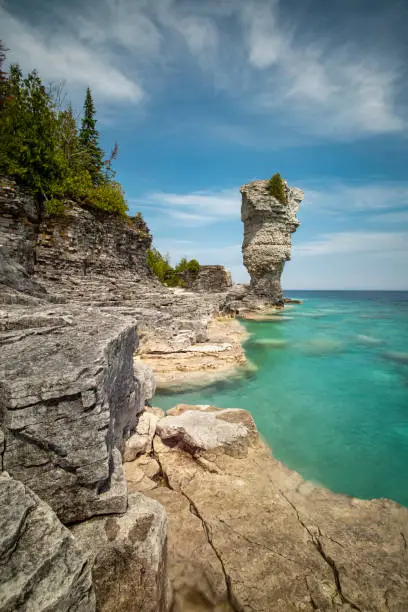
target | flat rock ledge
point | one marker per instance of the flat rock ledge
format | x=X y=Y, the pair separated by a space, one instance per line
x=41 y=565
x=248 y=534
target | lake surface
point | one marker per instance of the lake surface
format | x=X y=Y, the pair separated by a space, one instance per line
x=330 y=392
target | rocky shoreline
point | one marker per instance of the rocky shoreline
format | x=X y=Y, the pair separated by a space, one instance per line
x=107 y=503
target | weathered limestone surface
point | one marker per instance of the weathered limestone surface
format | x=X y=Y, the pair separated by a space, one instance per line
x=268 y=225
x=68 y=399
x=129 y=557
x=213 y=279
x=268 y=539
x=41 y=565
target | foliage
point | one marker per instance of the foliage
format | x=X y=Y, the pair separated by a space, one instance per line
x=172 y=277
x=108 y=197
x=191 y=266
x=41 y=147
x=89 y=141
x=277 y=189
x=54 y=207
x=29 y=149
x=158 y=264
x=3 y=79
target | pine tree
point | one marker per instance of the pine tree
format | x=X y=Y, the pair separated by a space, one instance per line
x=89 y=141
x=3 y=79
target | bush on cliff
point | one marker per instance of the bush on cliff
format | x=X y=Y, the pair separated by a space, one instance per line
x=276 y=188
x=188 y=266
x=42 y=148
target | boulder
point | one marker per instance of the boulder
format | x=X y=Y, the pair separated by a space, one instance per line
x=69 y=399
x=206 y=430
x=42 y=567
x=129 y=557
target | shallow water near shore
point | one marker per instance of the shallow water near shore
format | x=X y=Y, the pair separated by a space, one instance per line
x=330 y=392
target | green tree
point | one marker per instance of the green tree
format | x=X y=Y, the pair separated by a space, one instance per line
x=3 y=76
x=29 y=149
x=276 y=188
x=158 y=264
x=89 y=141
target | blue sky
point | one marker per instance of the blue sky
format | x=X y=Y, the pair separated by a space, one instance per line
x=205 y=95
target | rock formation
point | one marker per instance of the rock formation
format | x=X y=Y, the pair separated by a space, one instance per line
x=41 y=564
x=268 y=225
x=211 y=279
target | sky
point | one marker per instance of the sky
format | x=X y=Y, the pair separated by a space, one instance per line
x=203 y=96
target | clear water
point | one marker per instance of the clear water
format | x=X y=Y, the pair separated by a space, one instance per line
x=330 y=393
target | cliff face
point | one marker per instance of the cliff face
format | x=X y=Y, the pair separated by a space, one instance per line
x=268 y=225
x=82 y=243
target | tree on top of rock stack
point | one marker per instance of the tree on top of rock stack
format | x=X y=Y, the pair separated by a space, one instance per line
x=277 y=189
x=89 y=140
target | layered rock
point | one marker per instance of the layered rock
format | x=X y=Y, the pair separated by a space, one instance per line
x=41 y=565
x=268 y=225
x=212 y=279
x=263 y=538
x=129 y=557
x=68 y=401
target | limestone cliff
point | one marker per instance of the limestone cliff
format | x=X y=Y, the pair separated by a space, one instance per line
x=268 y=225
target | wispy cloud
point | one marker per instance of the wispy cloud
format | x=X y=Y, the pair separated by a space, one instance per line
x=355 y=243
x=255 y=53
x=196 y=208
x=341 y=90
x=375 y=196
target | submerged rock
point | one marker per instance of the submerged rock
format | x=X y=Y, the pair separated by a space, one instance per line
x=268 y=225
x=41 y=565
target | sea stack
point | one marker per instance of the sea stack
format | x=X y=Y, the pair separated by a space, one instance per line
x=268 y=225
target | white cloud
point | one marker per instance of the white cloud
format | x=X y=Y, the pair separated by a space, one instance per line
x=355 y=243
x=370 y=197
x=196 y=208
x=328 y=90
x=59 y=56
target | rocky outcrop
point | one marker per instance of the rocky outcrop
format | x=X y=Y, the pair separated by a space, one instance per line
x=268 y=225
x=212 y=279
x=41 y=565
x=129 y=557
x=263 y=538
x=68 y=401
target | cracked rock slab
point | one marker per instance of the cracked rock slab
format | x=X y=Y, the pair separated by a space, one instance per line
x=283 y=544
x=129 y=557
x=41 y=566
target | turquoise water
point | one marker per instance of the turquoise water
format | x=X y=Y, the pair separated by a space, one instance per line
x=330 y=393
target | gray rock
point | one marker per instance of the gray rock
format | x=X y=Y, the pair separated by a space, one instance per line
x=41 y=566
x=210 y=279
x=268 y=225
x=141 y=441
x=145 y=377
x=129 y=557
x=68 y=397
